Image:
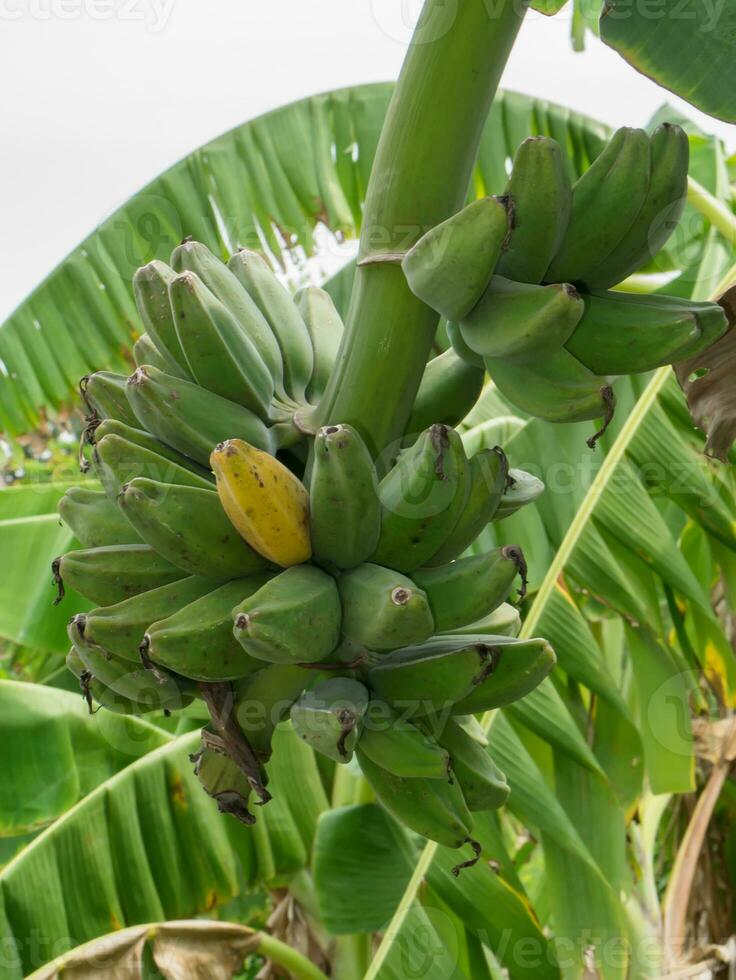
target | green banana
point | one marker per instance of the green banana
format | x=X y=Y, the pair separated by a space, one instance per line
x=325 y=328
x=540 y=193
x=422 y=499
x=221 y=778
x=401 y=748
x=711 y=317
x=293 y=618
x=472 y=727
x=557 y=389
x=145 y=352
x=263 y=700
x=94 y=519
x=118 y=628
x=285 y=321
x=522 y=488
x=616 y=337
x=328 y=717
x=448 y=390
x=454 y=335
x=118 y=461
x=629 y=334
x=659 y=214
x=483 y=784
x=487 y=475
x=605 y=203
x=188 y=527
x=504 y=621
x=521 y=322
x=345 y=511
x=382 y=609
x=195 y=257
x=220 y=356
x=144 y=440
x=136 y=684
x=430 y=676
x=433 y=808
x=518 y=667
x=103 y=393
x=112 y=573
x=197 y=641
x=93 y=689
x=190 y=418
x=463 y=591
x=450 y=266
x=151 y=289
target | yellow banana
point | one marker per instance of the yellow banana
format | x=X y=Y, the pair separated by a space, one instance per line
x=265 y=502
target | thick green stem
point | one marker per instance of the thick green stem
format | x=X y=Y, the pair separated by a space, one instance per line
x=281 y=954
x=420 y=176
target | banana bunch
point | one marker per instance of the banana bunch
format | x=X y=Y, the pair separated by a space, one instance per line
x=231 y=555
x=217 y=574
x=236 y=556
x=526 y=278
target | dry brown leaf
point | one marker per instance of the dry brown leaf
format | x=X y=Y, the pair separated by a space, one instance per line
x=709 y=383
x=200 y=950
x=183 y=950
x=715 y=741
x=117 y=957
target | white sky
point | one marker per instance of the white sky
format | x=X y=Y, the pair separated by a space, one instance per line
x=101 y=95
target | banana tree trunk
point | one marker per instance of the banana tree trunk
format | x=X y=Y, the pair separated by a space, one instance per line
x=420 y=177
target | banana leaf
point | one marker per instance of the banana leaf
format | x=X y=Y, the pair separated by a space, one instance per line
x=661 y=44
x=55 y=753
x=144 y=843
x=362 y=862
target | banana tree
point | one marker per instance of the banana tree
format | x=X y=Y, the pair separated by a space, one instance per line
x=616 y=582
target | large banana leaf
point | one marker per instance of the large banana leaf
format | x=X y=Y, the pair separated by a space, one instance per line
x=269 y=183
x=135 y=839
x=687 y=46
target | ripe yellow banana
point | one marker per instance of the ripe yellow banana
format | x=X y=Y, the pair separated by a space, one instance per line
x=265 y=502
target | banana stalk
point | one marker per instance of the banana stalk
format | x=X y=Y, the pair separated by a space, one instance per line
x=420 y=177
